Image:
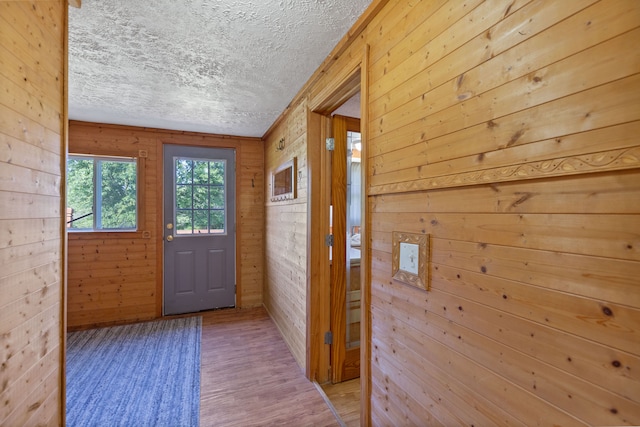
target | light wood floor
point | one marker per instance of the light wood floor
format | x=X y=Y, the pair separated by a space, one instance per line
x=249 y=377
x=345 y=398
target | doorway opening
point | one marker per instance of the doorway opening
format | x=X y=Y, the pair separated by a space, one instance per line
x=319 y=366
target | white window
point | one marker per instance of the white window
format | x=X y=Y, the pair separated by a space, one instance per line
x=102 y=193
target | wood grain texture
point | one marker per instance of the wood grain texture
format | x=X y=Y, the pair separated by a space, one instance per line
x=515 y=147
x=31 y=147
x=340 y=126
x=286 y=236
x=345 y=398
x=249 y=377
x=318 y=264
x=116 y=277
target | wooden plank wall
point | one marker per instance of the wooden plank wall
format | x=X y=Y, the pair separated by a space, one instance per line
x=31 y=150
x=117 y=277
x=508 y=131
x=286 y=235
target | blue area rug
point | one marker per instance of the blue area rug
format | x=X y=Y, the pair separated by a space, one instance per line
x=146 y=374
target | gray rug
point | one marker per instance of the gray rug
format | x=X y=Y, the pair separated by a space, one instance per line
x=146 y=374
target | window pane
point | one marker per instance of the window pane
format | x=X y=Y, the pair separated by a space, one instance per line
x=200 y=197
x=217 y=197
x=118 y=195
x=183 y=197
x=184 y=223
x=217 y=221
x=183 y=171
x=216 y=176
x=200 y=222
x=80 y=193
x=200 y=172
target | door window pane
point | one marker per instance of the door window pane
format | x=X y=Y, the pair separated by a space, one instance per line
x=183 y=171
x=200 y=172
x=184 y=223
x=183 y=197
x=200 y=222
x=217 y=221
x=217 y=198
x=200 y=196
x=217 y=168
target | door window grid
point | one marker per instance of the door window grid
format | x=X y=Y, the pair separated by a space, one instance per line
x=199 y=187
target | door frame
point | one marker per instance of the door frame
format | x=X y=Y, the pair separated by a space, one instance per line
x=334 y=94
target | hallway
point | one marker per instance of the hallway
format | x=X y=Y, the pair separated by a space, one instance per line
x=249 y=377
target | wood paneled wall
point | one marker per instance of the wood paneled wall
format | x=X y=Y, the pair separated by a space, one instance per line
x=286 y=234
x=117 y=277
x=31 y=158
x=508 y=131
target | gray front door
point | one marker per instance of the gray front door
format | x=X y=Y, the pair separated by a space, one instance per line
x=199 y=229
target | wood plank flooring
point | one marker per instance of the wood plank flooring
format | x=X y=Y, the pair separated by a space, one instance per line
x=345 y=398
x=249 y=377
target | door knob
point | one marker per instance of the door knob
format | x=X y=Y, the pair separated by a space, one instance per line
x=169 y=238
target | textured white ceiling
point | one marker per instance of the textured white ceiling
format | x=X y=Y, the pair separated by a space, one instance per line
x=217 y=66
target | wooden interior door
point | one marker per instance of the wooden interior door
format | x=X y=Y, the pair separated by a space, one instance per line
x=345 y=357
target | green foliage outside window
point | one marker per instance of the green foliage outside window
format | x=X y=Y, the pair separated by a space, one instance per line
x=102 y=193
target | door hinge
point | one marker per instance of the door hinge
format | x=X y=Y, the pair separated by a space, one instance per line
x=328 y=337
x=328 y=240
x=330 y=144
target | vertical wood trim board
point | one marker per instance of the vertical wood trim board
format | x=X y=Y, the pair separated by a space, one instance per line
x=317 y=355
x=515 y=147
x=117 y=277
x=32 y=115
x=365 y=262
x=63 y=227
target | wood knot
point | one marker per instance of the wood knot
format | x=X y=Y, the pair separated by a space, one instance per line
x=491 y=124
x=607 y=311
x=516 y=136
x=506 y=12
x=616 y=364
x=521 y=200
x=483 y=269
